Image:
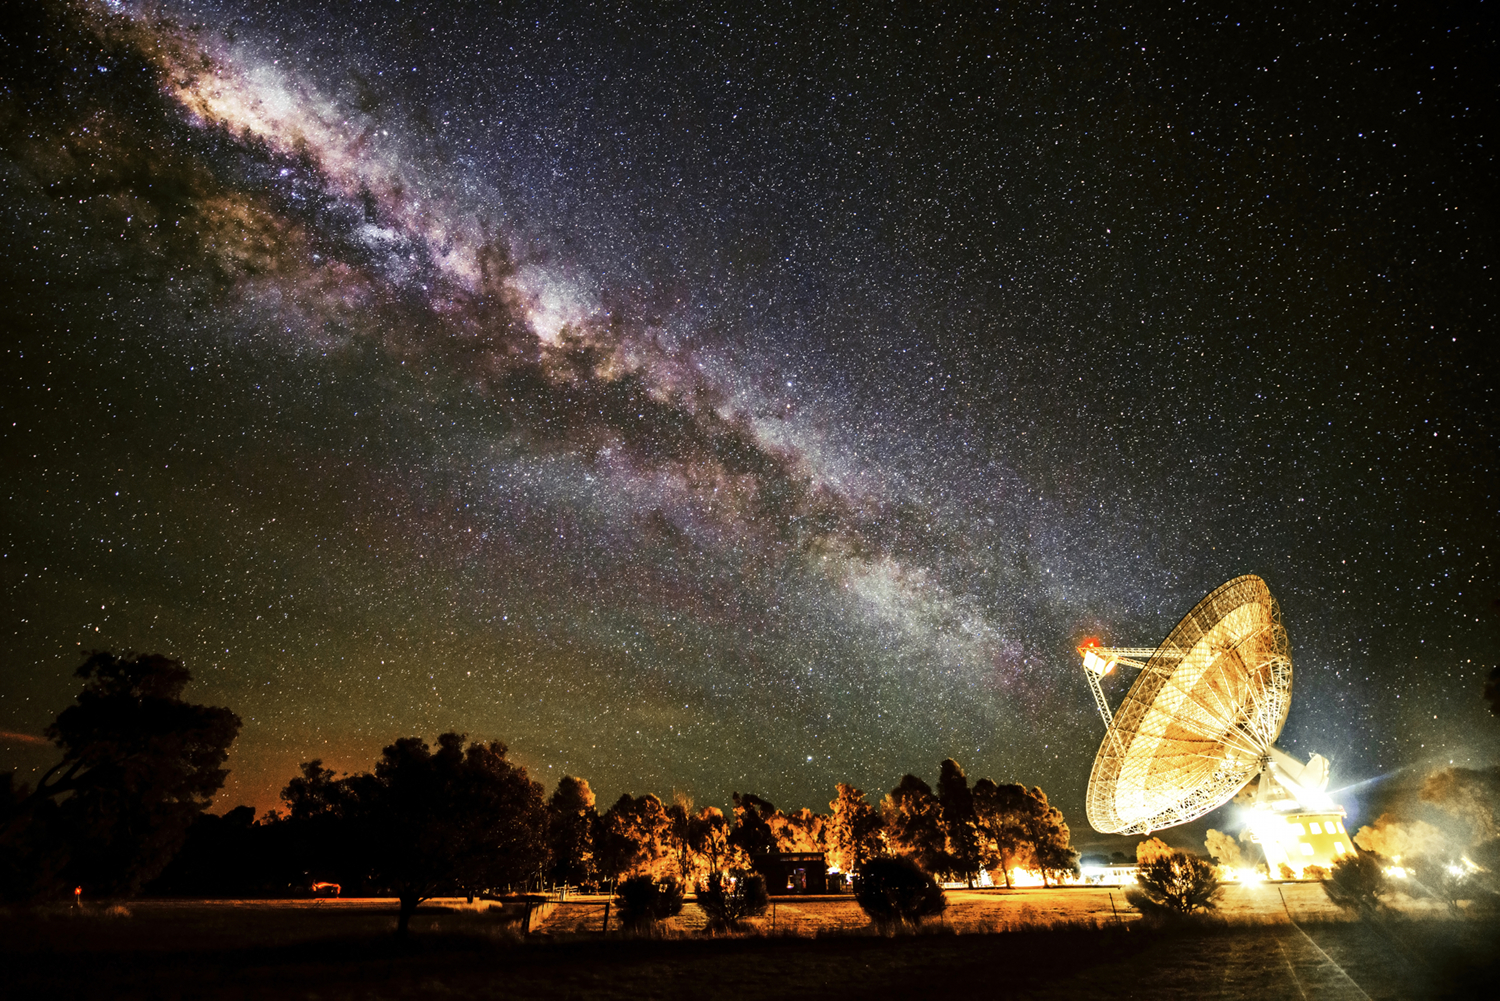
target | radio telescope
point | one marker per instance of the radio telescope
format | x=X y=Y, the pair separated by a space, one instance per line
x=1200 y=723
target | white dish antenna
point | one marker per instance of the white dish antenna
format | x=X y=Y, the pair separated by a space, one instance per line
x=1201 y=720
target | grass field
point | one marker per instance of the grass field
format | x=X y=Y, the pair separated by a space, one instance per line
x=1030 y=943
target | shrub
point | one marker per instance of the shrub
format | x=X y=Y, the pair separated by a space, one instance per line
x=643 y=901
x=1356 y=883
x=1314 y=872
x=896 y=892
x=727 y=907
x=1437 y=880
x=1175 y=884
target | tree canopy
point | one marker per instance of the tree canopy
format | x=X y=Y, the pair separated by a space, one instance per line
x=914 y=824
x=895 y=892
x=1175 y=883
x=960 y=822
x=428 y=821
x=571 y=823
x=855 y=830
x=138 y=765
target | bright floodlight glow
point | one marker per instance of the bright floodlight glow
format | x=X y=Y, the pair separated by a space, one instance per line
x=1099 y=665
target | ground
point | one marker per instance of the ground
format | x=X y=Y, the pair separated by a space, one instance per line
x=1029 y=943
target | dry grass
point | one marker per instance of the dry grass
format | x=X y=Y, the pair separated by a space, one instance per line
x=1039 y=944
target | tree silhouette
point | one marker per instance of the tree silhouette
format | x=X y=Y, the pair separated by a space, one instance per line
x=571 y=820
x=1175 y=884
x=138 y=764
x=31 y=860
x=634 y=837
x=229 y=855
x=753 y=833
x=681 y=831
x=1049 y=839
x=914 y=824
x=711 y=835
x=1357 y=883
x=456 y=818
x=644 y=901
x=895 y=892
x=728 y=906
x=1000 y=813
x=855 y=830
x=959 y=820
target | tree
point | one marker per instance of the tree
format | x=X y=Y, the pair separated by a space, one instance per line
x=959 y=820
x=1397 y=839
x=318 y=833
x=457 y=818
x=854 y=830
x=895 y=892
x=224 y=856
x=752 y=824
x=644 y=900
x=710 y=833
x=317 y=792
x=753 y=833
x=1152 y=849
x=1356 y=883
x=914 y=824
x=1048 y=837
x=800 y=831
x=138 y=764
x=1224 y=849
x=999 y=814
x=682 y=837
x=31 y=860
x=728 y=905
x=634 y=838
x=570 y=831
x=1175 y=884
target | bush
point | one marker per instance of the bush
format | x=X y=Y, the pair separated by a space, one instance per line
x=896 y=892
x=1314 y=872
x=644 y=901
x=1175 y=884
x=1356 y=883
x=728 y=907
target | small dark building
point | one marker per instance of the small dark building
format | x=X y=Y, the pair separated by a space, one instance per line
x=794 y=872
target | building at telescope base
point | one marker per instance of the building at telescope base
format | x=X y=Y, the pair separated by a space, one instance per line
x=1292 y=818
x=1299 y=840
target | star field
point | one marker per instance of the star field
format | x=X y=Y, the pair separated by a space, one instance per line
x=751 y=399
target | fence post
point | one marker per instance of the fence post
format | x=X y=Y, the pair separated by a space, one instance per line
x=526 y=920
x=605 y=929
x=1113 y=908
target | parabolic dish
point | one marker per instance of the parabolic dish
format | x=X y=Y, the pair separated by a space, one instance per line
x=1201 y=717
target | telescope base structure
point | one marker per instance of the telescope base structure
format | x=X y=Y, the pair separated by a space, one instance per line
x=1299 y=840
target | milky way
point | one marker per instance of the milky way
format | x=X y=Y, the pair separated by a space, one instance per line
x=712 y=401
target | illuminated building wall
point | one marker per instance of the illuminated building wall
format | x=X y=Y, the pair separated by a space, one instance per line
x=1301 y=840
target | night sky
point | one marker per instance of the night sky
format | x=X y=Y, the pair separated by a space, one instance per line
x=746 y=397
